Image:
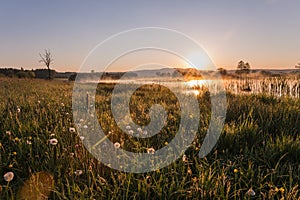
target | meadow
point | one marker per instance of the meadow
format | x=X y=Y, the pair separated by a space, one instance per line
x=256 y=157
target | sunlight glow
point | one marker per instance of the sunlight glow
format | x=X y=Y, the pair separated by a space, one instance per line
x=193 y=83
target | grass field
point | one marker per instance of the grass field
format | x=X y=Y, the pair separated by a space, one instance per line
x=256 y=157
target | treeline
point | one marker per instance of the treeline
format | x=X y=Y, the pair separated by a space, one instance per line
x=18 y=73
x=187 y=73
x=21 y=73
x=104 y=76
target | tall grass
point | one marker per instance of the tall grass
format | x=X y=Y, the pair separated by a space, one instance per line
x=259 y=148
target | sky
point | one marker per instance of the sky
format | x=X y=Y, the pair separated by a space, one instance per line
x=265 y=33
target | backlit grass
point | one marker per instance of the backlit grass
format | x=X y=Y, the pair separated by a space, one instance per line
x=258 y=151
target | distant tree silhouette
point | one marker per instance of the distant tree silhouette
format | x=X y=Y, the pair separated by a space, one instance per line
x=240 y=66
x=16 y=73
x=247 y=68
x=298 y=66
x=244 y=69
x=222 y=71
x=47 y=59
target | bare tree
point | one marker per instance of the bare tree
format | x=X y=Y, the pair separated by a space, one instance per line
x=47 y=59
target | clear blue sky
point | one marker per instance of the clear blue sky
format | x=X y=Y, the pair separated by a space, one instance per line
x=265 y=33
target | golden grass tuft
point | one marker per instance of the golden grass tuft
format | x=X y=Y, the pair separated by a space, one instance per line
x=37 y=187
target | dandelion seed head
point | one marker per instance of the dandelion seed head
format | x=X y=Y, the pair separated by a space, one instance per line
x=8 y=176
x=145 y=132
x=72 y=130
x=78 y=172
x=250 y=192
x=117 y=145
x=151 y=150
x=53 y=141
x=148 y=179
